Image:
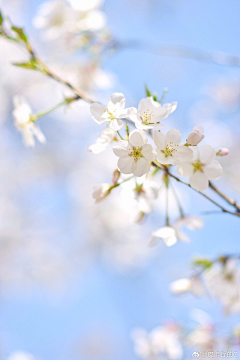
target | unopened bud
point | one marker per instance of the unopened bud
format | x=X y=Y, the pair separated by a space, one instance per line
x=223 y=152
x=195 y=136
x=101 y=191
x=115 y=176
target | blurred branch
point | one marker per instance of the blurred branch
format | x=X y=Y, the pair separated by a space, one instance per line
x=166 y=169
x=218 y=57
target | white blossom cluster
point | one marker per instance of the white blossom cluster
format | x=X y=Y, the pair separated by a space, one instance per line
x=174 y=342
x=220 y=280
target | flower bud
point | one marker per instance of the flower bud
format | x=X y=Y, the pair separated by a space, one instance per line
x=195 y=136
x=115 y=176
x=100 y=192
x=223 y=152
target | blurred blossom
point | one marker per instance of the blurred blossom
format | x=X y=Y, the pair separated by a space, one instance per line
x=20 y=355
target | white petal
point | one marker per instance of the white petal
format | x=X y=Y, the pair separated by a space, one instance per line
x=164 y=232
x=198 y=181
x=125 y=165
x=115 y=124
x=164 y=159
x=160 y=140
x=97 y=111
x=174 y=136
x=138 y=138
x=121 y=148
x=185 y=169
x=180 y=286
x=38 y=133
x=184 y=153
x=147 y=152
x=170 y=241
x=182 y=236
x=117 y=101
x=145 y=104
x=196 y=154
x=142 y=167
x=206 y=154
x=213 y=171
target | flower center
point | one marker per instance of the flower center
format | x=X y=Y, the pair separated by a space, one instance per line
x=146 y=117
x=197 y=166
x=111 y=115
x=170 y=149
x=136 y=153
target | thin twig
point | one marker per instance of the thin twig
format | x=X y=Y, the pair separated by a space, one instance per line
x=225 y=197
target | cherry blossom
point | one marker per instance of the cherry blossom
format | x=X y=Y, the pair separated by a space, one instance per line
x=24 y=122
x=170 y=234
x=161 y=340
x=169 y=148
x=223 y=152
x=193 y=285
x=150 y=113
x=135 y=155
x=195 y=136
x=202 y=168
x=107 y=136
x=100 y=192
x=112 y=114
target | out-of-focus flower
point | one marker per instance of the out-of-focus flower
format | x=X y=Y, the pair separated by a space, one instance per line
x=169 y=150
x=195 y=136
x=100 y=192
x=84 y=6
x=223 y=282
x=163 y=340
x=143 y=193
x=193 y=285
x=150 y=113
x=202 y=337
x=24 y=123
x=202 y=168
x=134 y=155
x=20 y=355
x=170 y=234
x=112 y=114
x=223 y=152
x=107 y=136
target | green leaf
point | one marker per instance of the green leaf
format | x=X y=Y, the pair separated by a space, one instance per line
x=155 y=97
x=20 y=33
x=28 y=65
x=202 y=262
x=1 y=18
x=147 y=91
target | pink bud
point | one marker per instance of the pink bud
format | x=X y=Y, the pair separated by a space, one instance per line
x=223 y=152
x=115 y=176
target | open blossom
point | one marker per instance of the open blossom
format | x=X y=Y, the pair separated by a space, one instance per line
x=169 y=148
x=100 y=192
x=22 y=114
x=134 y=155
x=150 y=113
x=223 y=283
x=195 y=136
x=170 y=234
x=202 y=168
x=161 y=340
x=193 y=285
x=107 y=136
x=112 y=114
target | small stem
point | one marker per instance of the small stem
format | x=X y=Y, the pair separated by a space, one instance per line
x=66 y=101
x=120 y=135
x=177 y=201
x=225 y=197
x=167 y=209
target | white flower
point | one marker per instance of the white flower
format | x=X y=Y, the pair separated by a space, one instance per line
x=169 y=150
x=170 y=234
x=84 y=6
x=107 y=136
x=134 y=155
x=150 y=113
x=161 y=340
x=196 y=135
x=23 y=122
x=144 y=193
x=193 y=285
x=111 y=114
x=100 y=192
x=202 y=168
x=223 y=282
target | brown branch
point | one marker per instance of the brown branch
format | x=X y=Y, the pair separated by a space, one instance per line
x=225 y=197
